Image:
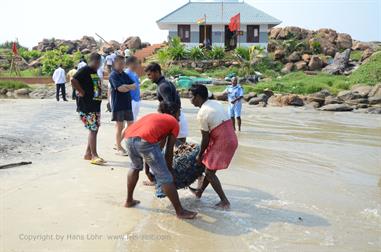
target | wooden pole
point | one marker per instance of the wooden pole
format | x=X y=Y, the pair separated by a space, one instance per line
x=222 y=23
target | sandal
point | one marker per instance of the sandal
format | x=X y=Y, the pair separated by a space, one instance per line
x=97 y=161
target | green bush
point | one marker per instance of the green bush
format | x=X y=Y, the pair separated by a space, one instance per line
x=217 y=52
x=177 y=70
x=176 y=49
x=196 y=53
x=316 y=47
x=163 y=56
x=13 y=84
x=29 y=55
x=243 y=52
x=368 y=73
x=55 y=57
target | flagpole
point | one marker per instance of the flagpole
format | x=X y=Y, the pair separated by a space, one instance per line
x=222 y=23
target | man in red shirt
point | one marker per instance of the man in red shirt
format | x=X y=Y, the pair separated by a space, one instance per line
x=144 y=140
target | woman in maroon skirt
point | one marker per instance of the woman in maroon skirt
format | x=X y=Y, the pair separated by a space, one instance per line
x=219 y=141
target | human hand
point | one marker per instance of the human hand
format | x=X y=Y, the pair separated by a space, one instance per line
x=80 y=93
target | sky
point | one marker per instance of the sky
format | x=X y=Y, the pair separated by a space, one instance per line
x=32 y=20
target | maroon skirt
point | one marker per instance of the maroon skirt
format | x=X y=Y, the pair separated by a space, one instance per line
x=223 y=143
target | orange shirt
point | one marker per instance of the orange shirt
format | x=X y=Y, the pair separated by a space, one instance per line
x=153 y=127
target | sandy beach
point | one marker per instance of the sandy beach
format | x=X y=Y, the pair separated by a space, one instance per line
x=301 y=180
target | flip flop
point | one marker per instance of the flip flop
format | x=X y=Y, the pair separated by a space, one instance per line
x=97 y=161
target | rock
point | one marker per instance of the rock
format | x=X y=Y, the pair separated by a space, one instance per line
x=22 y=91
x=3 y=91
x=362 y=90
x=145 y=44
x=314 y=105
x=115 y=44
x=344 y=41
x=336 y=107
x=300 y=65
x=132 y=43
x=366 y=54
x=340 y=63
x=273 y=34
x=376 y=91
x=374 y=110
x=249 y=96
x=86 y=51
x=315 y=63
x=374 y=100
x=35 y=63
x=293 y=100
x=268 y=92
x=294 y=57
x=279 y=54
x=326 y=39
x=87 y=42
x=332 y=100
x=318 y=97
x=287 y=68
x=357 y=101
x=255 y=100
x=360 y=46
x=275 y=101
x=292 y=32
x=306 y=58
x=348 y=95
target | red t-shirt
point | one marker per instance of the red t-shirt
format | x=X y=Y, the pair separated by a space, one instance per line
x=153 y=127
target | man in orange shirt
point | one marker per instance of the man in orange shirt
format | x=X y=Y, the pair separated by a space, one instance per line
x=144 y=140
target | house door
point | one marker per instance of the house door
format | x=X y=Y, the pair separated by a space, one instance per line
x=208 y=34
x=230 y=39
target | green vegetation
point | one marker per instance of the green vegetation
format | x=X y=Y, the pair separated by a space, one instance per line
x=12 y=84
x=356 y=55
x=59 y=56
x=216 y=53
x=243 y=52
x=370 y=72
x=29 y=55
x=196 y=53
x=24 y=73
x=147 y=85
x=177 y=70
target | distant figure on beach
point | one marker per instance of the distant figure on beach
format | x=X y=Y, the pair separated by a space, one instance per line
x=109 y=61
x=143 y=145
x=89 y=92
x=235 y=96
x=59 y=79
x=132 y=65
x=70 y=76
x=82 y=63
x=121 y=86
x=166 y=91
x=127 y=53
x=219 y=141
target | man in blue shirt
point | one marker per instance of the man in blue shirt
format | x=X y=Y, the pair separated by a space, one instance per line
x=121 y=85
x=235 y=95
x=132 y=65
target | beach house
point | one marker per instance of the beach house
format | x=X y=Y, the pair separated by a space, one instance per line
x=208 y=22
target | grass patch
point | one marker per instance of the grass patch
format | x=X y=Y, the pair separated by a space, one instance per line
x=370 y=72
x=13 y=84
x=24 y=73
x=356 y=55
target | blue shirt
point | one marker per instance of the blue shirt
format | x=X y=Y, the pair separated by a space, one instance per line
x=234 y=92
x=119 y=101
x=135 y=94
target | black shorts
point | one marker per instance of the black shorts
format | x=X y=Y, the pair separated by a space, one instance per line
x=121 y=116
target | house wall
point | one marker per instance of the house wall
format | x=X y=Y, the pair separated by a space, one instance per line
x=218 y=35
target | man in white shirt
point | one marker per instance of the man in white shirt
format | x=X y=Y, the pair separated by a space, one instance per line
x=59 y=78
x=81 y=63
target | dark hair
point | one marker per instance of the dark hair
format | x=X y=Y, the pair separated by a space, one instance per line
x=95 y=57
x=200 y=90
x=167 y=107
x=131 y=60
x=119 y=58
x=153 y=67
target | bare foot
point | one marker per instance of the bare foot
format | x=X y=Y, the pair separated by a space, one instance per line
x=196 y=192
x=131 y=203
x=185 y=214
x=87 y=157
x=148 y=183
x=223 y=204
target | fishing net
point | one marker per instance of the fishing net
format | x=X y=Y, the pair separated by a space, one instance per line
x=185 y=168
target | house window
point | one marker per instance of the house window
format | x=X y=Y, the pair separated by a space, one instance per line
x=183 y=31
x=253 y=34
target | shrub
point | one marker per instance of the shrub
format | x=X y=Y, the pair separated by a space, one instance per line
x=59 y=56
x=243 y=52
x=176 y=49
x=196 y=53
x=316 y=47
x=29 y=55
x=217 y=52
x=163 y=56
x=10 y=84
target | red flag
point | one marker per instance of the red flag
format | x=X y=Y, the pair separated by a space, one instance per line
x=235 y=23
x=14 y=49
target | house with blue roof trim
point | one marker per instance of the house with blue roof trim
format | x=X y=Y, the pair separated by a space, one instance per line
x=197 y=23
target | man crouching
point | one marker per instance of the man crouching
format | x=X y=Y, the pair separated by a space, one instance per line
x=144 y=139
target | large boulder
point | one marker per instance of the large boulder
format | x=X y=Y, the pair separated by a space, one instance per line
x=326 y=39
x=366 y=54
x=344 y=41
x=306 y=58
x=340 y=63
x=348 y=95
x=106 y=49
x=35 y=63
x=376 y=91
x=22 y=92
x=332 y=100
x=294 y=57
x=318 y=97
x=249 y=96
x=300 y=65
x=362 y=90
x=72 y=46
x=315 y=63
x=287 y=68
x=285 y=100
x=336 y=107
x=115 y=44
x=374 y=100
x=132 y=43
x=279 y=54
x=273 y=34
x=292 y=32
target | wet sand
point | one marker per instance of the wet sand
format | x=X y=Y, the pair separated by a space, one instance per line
x=301 y=180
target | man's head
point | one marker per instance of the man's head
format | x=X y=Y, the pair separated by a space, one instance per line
x=153 y=71
x=132 y=63
x=199 y=94
x=119 y=63
x=234 y=81
x=60 y=65
x=95 y=61
x=169 y=108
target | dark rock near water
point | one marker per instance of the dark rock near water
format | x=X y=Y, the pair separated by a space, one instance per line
x=336 y=107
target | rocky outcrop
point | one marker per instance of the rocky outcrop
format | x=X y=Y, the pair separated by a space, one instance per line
x=287 y=68
x=340 y=63
x=86 y=42
x=315 y=63
x=132 y=43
